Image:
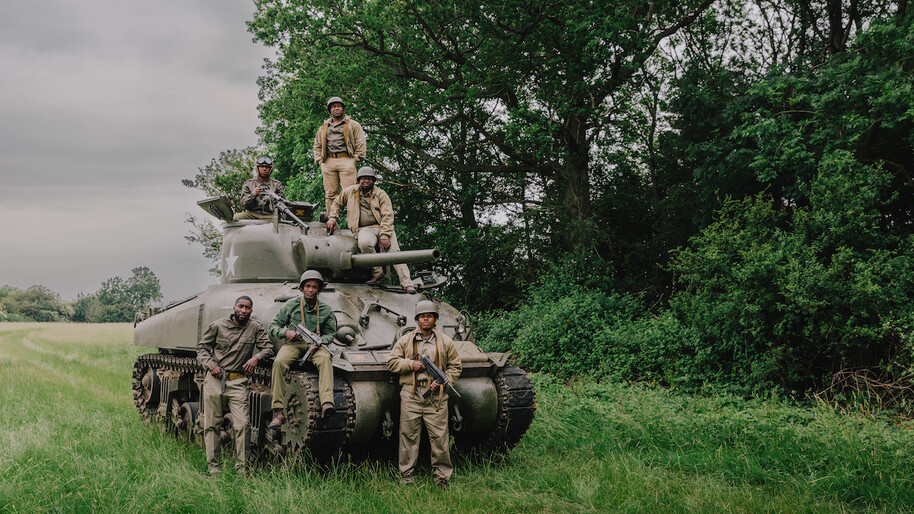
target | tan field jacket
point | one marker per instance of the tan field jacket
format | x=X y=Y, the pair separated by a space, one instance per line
x=352 y=134
x=400 y=359
x=381 y=207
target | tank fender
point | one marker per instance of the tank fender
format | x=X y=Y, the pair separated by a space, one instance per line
x=499 y=359
x=342 y=364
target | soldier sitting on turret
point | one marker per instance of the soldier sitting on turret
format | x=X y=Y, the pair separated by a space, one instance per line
x=257 y=207
x=371 y=219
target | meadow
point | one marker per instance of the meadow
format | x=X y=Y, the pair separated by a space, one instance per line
x=71 y=441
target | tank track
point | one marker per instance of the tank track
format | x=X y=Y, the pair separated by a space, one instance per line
x=516 y=407
x=317 y=435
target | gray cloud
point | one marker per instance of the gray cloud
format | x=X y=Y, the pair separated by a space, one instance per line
x=104 y=108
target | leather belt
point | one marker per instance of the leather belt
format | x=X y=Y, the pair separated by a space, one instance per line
x=338 y=154
x=234 y=376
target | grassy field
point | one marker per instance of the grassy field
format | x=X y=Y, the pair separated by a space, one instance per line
x=71 y=441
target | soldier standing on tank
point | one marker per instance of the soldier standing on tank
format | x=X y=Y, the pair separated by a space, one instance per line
x=338 y=146
x=317 y=317
x=257 y=207
x=226 y=352
x=370 y=216
x=404 y=360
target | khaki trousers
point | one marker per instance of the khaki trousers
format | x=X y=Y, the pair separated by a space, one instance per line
x=214 y=400
x=368 y=239
x=292 y=351
x=251 y=215
x=338 y=173
x=413 y=411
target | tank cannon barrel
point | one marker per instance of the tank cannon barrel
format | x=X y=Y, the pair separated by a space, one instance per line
x=368 y=260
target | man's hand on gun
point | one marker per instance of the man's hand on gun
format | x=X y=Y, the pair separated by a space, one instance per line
x=438 y=377
x=308 y=336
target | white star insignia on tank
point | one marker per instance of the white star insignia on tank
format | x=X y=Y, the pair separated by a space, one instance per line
x=230 y=261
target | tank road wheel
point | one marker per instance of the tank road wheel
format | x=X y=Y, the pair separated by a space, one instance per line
x=304 y=427
x=146 y=387
x=185 y=417
x=301 y=414
x=516 y=406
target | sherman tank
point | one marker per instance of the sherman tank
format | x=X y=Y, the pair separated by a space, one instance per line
x=264 y=259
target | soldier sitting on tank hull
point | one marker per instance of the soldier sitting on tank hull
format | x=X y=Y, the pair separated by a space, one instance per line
x=256 y=206
x=226 y=351
x=317 y=317
x=415 y=407
x=370 y=216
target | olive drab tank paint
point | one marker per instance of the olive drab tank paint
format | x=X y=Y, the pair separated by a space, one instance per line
x=264 y=260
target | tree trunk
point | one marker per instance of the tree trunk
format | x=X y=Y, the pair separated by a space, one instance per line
x=573 y=190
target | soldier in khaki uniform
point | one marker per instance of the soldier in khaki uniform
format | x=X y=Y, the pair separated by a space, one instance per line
x=317 y=317
x=338 y=146
x=404 y=360
x=370 y=217
x=227 y=351
x=258 y=207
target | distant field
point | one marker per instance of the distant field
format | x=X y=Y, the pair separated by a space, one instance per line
x=71 y=441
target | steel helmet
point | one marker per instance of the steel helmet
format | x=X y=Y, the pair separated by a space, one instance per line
x=426 y=307
x=335 y=100
x=366 y=171
x=311 y=275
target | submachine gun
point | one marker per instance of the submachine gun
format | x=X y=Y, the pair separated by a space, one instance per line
x=435 y=373
x=314 y=341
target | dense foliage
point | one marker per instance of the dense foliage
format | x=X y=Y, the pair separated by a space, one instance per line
x=806 y=267
x=665 y=191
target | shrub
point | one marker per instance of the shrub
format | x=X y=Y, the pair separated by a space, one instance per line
x=786 y=298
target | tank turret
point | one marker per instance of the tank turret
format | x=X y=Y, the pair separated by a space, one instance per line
x=264 y=260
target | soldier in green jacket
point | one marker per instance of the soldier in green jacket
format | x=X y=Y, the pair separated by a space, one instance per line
x=317 y=317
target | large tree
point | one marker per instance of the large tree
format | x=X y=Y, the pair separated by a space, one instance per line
x=524 y=90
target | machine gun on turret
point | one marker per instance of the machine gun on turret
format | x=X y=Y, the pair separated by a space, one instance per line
x=281 y=206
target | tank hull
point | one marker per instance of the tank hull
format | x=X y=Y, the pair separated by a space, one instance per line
x=496 y=403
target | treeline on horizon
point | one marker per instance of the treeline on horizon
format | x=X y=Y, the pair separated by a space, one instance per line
x=695 y=193
x=117 y=300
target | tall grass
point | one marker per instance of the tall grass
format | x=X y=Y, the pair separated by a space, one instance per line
x=71 y=441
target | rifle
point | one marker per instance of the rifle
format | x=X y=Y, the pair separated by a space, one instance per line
x=311 y=338
x=436 y=375
x=281 y=205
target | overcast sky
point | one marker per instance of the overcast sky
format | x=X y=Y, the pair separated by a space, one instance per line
x=104 y=107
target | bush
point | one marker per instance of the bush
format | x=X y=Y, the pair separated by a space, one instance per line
x=568 y=325
x=786 y=298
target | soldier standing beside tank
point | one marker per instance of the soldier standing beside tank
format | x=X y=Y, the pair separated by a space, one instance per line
x=226 y=351
x=338 y=146
x=317 y=317
x=404 y=360
x=370 y=216
x=257 y=207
